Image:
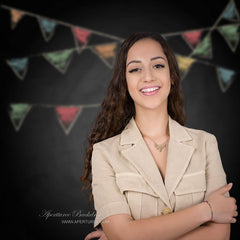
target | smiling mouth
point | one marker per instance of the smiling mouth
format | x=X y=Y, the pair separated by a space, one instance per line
x=149 y=89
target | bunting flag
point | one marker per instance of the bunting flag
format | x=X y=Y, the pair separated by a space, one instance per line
x=225 y=77
x=192 y=38
x=47 y=28
x=204 y=48
x=81 y=37
x=59 y=59
x=67 y=116
x=106 y=52
x=16 y=16
x=231 y=35
x=184 y=64
x=18 y=66
x=17 y=113
x=231 y=12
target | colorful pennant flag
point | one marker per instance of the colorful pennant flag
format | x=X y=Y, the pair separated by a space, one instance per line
x=81 y=37
x=184 y=64
x=47 y=28
x=231 y=35
x=17 y=113
x=18 y=66
x=192 y=38
x=106 y=53
x=16 y=16
x=67 y=116
x=60 y=59
x=204 y=48
x=225 y=77
x=231 y=12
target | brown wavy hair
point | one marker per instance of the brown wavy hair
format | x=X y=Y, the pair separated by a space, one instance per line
x=118 y=107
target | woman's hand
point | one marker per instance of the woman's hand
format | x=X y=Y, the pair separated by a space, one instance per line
x=96 y=234
x=224 y=208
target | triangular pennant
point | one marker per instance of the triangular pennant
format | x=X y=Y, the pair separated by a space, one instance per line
x=204 y=48
x=106 y=52
x=80 y=36
x=67 y=116
x=60 y=59
x=18 y=66
x=16 y=16
x=231 y=35
x=192 y=38
x=225 y=77
x=184 y=64
x=231 y=12
x=47 y=28
x=17 y=113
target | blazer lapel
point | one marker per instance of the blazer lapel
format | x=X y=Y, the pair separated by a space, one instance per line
x=139 y=155
x=179 y=155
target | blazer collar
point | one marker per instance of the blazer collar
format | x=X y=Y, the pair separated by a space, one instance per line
x=179 y=155
x=131 y=133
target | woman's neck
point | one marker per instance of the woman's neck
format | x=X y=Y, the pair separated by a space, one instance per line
x=153 y=124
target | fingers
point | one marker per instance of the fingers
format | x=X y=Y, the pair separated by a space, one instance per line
x=94 y=234
x=233 y=220
x=235 y=214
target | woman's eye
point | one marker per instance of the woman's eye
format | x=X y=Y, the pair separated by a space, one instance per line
x=158 y=66
x=134 y=70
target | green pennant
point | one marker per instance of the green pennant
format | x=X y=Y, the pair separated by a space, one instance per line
x=59 y=59
x=231 y=35
x=204 y=49
x=17 y=113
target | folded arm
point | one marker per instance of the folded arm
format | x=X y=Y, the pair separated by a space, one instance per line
x=183 y=224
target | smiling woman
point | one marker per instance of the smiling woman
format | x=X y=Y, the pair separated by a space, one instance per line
x=148 y=74
x=153 y=178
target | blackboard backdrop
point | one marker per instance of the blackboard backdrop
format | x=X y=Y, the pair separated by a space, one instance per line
x=40 y=164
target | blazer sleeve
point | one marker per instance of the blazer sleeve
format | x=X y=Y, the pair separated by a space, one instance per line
x=108 y=200
x=215 y=174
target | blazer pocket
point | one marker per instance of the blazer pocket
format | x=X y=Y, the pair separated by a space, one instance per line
x=191 y=190
x=138 y=194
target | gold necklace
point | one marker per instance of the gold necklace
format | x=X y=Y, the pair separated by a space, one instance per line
x=159 y=147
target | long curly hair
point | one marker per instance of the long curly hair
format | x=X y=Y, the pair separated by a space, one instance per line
x=118 y=107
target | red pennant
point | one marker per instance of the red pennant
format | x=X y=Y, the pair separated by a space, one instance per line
x=81 y=35
x=192 y=37
x=67 y=116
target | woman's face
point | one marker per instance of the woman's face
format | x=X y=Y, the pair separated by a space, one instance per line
x=148 y=75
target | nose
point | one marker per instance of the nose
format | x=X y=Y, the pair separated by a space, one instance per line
x=148 y=75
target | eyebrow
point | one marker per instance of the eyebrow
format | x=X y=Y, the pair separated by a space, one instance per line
x=153 y=58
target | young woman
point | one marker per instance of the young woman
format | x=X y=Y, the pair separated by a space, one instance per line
x=153 y=178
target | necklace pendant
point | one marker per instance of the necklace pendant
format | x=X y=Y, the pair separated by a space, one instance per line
x=159 y=148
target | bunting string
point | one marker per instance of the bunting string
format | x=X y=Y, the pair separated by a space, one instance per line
x=198 y=40
x=59 y=22
x=67 y=115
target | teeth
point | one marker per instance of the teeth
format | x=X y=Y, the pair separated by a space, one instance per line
x=149 y=89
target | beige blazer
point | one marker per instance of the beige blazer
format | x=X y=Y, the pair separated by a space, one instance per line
x=126 y=179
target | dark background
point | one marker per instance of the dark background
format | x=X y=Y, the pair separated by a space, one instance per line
x=40 y=164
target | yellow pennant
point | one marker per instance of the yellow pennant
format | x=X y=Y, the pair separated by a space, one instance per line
x=184 y=63
x=16 y=17
x=106 y=51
